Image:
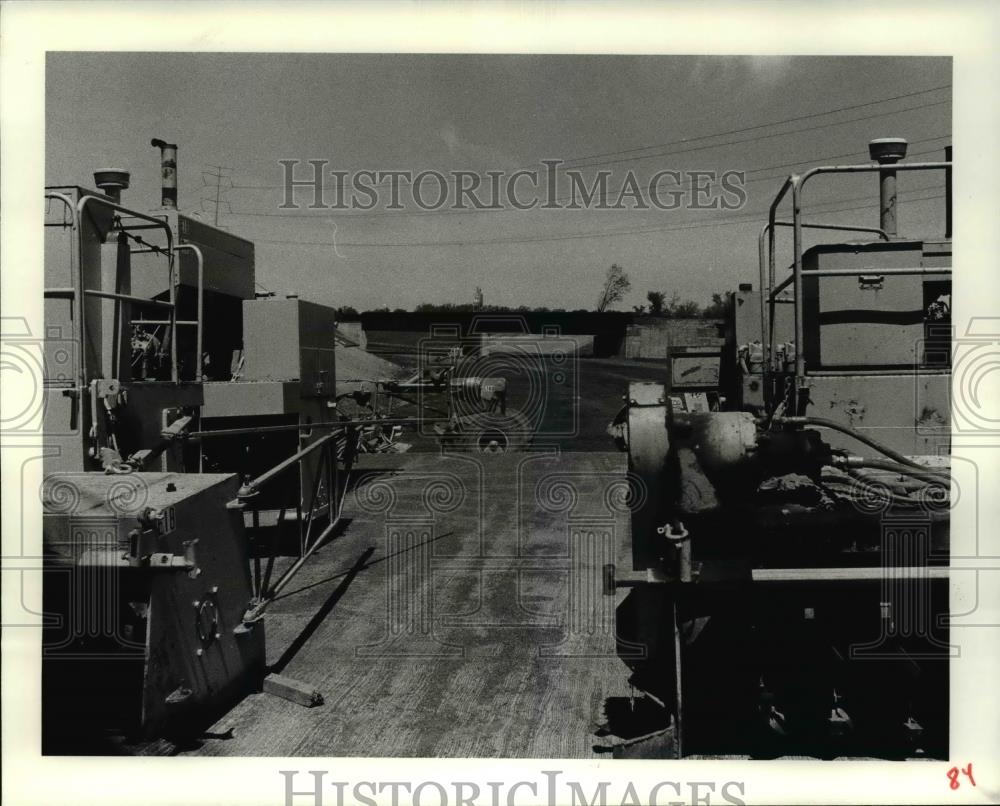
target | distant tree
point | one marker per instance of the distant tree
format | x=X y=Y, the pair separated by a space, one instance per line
x=656 y=300
x=346 y=313
x=468 y=307
x=681 y=309
x=616 y=286
x=639 y=309
x=445 y=307
x=720 y=306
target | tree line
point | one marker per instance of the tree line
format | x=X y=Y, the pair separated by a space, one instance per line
x=615 y=287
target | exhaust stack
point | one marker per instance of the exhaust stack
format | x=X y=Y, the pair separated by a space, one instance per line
x=887 y=151
x=112 y=182
x=947 y=194
x=168 y=170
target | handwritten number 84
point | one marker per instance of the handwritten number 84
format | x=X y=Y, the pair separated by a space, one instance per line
x=953 y=776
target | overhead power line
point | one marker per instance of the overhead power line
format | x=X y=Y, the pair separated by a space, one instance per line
x=305 y=215
x=766 y=125
x=219 y=173
x=749 y=218
x=722 y=133
x=759 y=137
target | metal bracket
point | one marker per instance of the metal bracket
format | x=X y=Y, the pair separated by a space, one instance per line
x=675 y=532
x=141 y=555
x=871 y=282
x=179 y=695
x=166 y=561
x=141 y=543
x=176 y=428
x=254 y=612
x=109 y=389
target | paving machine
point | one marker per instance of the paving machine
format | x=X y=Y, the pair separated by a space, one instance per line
x=790 y=533
x=191 y=453
x=196 y=458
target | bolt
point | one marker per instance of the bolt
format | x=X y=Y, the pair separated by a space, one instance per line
x=171 y=487
x=215 y=589
x=199 y=652
x=196 y=603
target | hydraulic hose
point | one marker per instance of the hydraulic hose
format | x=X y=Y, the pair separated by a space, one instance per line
x=870 y=485
x=895 y=498
x=845 y=429
x=930 y=475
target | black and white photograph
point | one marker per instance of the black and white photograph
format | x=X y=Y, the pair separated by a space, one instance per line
x=490 y=421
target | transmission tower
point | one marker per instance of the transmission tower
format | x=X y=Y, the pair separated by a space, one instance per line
x=215 y=183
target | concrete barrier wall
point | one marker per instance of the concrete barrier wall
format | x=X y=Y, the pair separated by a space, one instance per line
x=355 y=332
x=538 y=344
x=608 y=329
x=651 y=338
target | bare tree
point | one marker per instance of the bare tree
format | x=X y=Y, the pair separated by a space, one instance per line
x=616 y=286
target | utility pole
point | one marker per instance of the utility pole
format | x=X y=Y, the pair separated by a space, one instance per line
x=218 y=174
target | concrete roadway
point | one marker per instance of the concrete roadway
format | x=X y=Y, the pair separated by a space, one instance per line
x=458 y=615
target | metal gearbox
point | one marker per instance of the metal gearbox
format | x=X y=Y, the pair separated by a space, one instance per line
x=151 y=573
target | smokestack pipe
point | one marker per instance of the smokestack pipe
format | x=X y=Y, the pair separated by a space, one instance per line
x=887 y=151
x=112 y=182
x=168 y=170
x=947 y=193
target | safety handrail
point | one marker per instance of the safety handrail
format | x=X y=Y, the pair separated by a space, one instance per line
x=70 y=293
x=767 y=291
x=264 y=591
x=199 y=317
x=77 y=280
x=253 y=487
x=795 y=184
x=157 y=224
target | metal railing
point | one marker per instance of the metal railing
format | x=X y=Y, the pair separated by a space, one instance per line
x=339 y=450
x=198 y=321
x=768 y=291
x=77 y=292
x=336 y=458
x=766 y=248
x=171 y=279
x=76 y=277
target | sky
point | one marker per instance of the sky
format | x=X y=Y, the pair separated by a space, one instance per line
x=767 y=116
